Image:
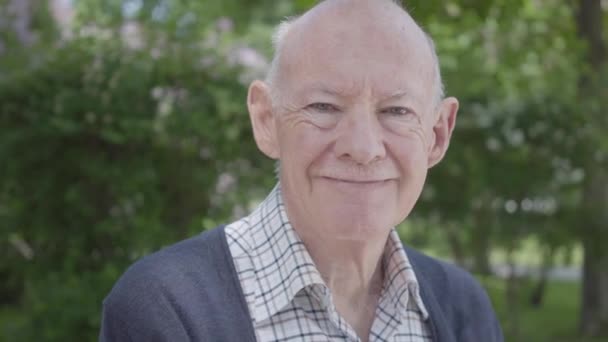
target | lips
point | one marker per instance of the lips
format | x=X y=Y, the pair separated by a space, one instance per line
x=356 y=180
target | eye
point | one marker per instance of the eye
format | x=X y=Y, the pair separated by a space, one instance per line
x=323 y=107
x=397 y=111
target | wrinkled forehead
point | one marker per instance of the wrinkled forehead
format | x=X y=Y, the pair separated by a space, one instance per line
x=349 y=50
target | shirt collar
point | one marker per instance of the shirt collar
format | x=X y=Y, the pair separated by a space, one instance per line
x=283 y=266
x=400 y=280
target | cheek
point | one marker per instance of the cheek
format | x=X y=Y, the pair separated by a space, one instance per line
x=411 y=159
x=301 y=144
x=410 y=150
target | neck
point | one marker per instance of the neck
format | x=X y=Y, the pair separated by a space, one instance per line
x=351 y=269
x=353 y=272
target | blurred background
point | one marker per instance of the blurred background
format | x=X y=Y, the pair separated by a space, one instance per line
x=123 y=129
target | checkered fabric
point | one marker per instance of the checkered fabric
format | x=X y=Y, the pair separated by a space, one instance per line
x=289 y=301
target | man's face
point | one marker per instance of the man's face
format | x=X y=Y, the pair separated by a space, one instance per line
x=354 y=130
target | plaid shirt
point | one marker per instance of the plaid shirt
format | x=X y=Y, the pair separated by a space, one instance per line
x=289 y=301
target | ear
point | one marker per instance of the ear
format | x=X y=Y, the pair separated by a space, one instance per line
x=259 y=103
x=442 y=130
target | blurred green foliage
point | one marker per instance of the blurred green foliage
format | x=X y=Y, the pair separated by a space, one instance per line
x=112 y=153
x=555 y=321
x=131 y=132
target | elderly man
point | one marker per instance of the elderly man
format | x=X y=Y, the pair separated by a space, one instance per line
x=354 y=111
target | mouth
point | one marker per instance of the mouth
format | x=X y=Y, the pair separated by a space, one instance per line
x=357 y=181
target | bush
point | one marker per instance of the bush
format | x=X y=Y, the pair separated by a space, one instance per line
x=109 y=154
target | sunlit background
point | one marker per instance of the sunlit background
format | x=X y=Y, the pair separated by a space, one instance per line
x=123 y=129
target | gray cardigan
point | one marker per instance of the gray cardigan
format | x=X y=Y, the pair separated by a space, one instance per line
x=190 y=292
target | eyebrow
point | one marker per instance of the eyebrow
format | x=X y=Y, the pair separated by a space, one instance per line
x=329 y=90
x=401 y=94
x=342 y=92
x=396 y=95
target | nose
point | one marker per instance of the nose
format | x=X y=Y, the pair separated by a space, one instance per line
x=360 y=139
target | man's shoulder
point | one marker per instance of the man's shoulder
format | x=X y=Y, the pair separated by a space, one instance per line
x=440 y=273
x=186 y=268
x=463 y=302
x=163 y=268
x=183 y=290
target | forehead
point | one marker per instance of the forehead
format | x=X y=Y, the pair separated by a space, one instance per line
x=349 y=53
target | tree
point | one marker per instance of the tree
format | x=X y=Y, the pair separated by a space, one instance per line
x=594 y=206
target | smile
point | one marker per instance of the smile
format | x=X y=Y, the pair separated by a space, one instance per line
x=357 y=182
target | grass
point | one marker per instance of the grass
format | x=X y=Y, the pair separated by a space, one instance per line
x=11 y=321
x=556 y=320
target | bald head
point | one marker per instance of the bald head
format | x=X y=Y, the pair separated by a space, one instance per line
x=378 y=26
